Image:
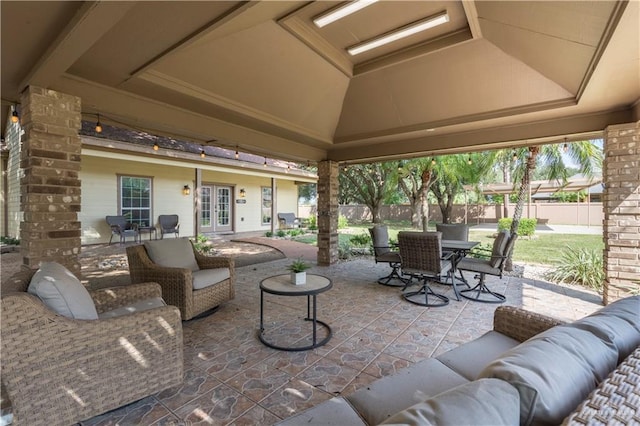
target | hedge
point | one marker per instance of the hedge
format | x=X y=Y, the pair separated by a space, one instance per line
x=526 y=227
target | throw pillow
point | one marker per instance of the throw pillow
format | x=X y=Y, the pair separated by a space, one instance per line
x=554 y=371
x=481 y=402
x=62 y=292
x=172 y=253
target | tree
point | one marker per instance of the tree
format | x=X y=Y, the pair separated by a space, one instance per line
x=369 y=184
x=452 y=172
x=415 y=179
x=586 y=154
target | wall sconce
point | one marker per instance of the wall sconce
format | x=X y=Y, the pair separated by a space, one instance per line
x=243 y=193
x=186 y=190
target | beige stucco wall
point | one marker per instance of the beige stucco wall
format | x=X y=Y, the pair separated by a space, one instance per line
x=99 y=176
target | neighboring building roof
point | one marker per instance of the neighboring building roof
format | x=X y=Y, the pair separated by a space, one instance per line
x=541 y=186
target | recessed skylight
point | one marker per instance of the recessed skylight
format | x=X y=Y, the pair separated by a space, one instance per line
x=341 y=12
x=399 y=34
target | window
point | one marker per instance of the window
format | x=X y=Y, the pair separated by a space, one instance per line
x=135 y=199
x=266 y=205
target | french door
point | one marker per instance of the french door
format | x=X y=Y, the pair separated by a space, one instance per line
x=216 y=208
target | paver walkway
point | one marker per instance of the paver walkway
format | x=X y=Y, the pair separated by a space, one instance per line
x=291 y=249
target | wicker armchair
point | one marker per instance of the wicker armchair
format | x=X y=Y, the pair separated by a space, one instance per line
x=177 y=283
x=59 y=371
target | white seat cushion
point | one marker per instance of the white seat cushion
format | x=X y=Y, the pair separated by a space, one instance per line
x=207 y=277
x=62 y=292
x=174 y=253
x=140 y=306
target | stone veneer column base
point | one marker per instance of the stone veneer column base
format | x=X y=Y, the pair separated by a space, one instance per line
x=50 y=188
x=621 y=204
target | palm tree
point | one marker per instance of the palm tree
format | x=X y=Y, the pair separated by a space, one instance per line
x=586 y=154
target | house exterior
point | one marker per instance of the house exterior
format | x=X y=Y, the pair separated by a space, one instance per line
x=120 y=177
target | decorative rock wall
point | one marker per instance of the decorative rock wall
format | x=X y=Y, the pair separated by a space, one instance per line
x=50 y=188
x=621 y=203
x=327 y=212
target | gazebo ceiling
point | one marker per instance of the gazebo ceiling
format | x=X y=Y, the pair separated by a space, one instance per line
x=264 y=77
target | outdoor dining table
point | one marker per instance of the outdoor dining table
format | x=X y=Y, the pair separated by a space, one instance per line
x=459 y=249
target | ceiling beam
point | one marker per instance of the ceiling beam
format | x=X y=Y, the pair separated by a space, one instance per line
x=89 y=24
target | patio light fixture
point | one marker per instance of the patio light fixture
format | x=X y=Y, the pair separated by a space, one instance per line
x=433 y=161
x=399 y=34
x=565 y=147
x=341 y=12
x=237 y=154
x=98 y=125
x=515 y=156
x=14 y=116
x=243 y=193
x=265 y=162
x=156 y=146
x=186 y=190
x=202 y=154
x=469 y=161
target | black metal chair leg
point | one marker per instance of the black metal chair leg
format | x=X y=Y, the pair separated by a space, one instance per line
x=392 y=279
x=482 y=289
x=441 y=300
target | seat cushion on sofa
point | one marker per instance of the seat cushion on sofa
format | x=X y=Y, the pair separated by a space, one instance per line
x=481 y=402
x=207 y=277
x=142 y=305
x=618 y=322
x=62 y=292
x=470 y=358
x=172 y=253
x=334 y=412
x=391 y=394
x=554 y=371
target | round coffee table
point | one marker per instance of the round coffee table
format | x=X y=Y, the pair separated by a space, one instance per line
x=281 y=285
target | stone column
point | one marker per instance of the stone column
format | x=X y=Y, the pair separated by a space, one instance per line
x=327 y=212
x=621 y=204
x=50 y=187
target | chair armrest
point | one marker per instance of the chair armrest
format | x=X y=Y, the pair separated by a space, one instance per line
x=521 y=324
x=44 y=354
x=210 y=262
x=107 y=299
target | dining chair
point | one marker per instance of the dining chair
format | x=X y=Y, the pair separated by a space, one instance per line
x=453 y=231
x=421 y=258
x=383 y=253
x=502 y=249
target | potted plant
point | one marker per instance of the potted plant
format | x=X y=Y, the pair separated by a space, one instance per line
x=298 y=268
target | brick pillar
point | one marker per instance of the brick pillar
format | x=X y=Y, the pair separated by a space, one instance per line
x=50 y=188
x=327 y=212
x=621 y=204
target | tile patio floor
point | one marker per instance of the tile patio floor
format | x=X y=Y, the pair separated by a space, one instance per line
x=231 y=378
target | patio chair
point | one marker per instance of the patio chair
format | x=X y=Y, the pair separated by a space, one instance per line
x=195 y=283
x=59 y=369
x=453 y=231
x=383 y=254
x=421 y=258
x=169 y=224
x=288 y=220
x=502 y=249
x=121 y=227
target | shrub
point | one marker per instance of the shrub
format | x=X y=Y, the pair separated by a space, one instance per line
x=281 y=233
x=268 y=234
x=360 y=240
x=202 y=244
x=10 y=240
x=342 y=222
x=526 y=227
x=344 y=250
x=313 y=223
x=580 y=266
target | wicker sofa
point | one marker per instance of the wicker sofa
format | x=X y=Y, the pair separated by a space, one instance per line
x=59 y=371
x=176 y=265
x=530 y=369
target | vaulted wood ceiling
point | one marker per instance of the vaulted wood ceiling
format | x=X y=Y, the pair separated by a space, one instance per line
x=262 y=76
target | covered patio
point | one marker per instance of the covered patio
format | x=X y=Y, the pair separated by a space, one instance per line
x=263 y=78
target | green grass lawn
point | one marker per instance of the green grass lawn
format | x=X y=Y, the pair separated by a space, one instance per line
x=543 y=248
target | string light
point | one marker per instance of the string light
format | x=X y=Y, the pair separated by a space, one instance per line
x=288 y=168
x=155 y=146
x=237 y=154
x=565 y=148
x=433 y=161
x=469 y=161
x=265 y=162
x=98 y=125
x=515 y=156
x=202 y=154
x=14 y=116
